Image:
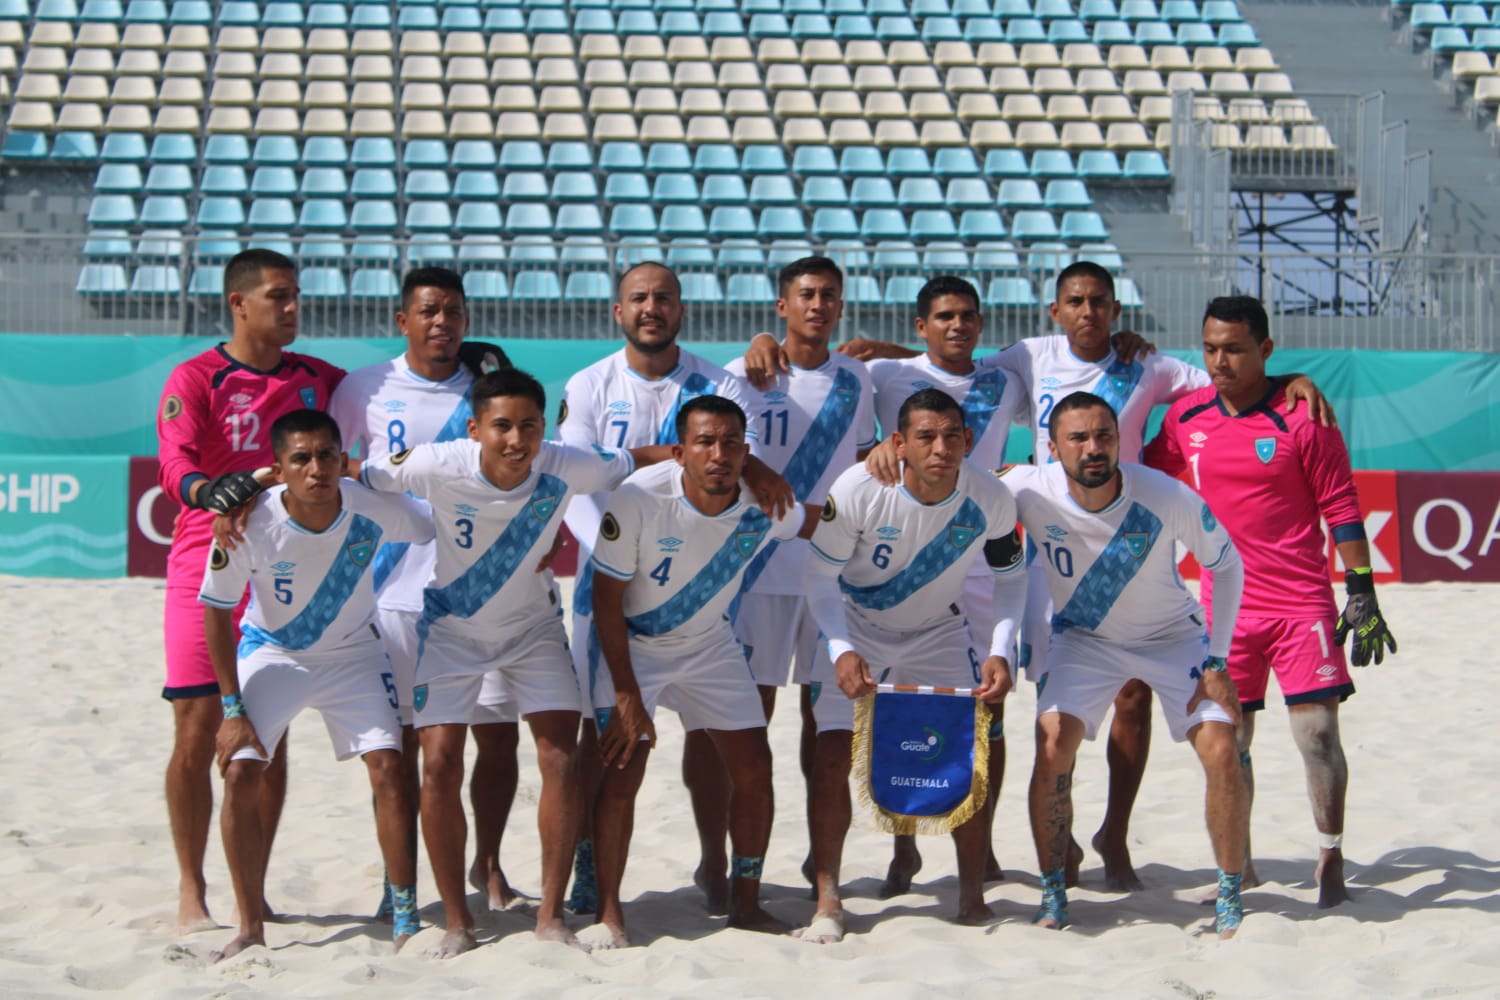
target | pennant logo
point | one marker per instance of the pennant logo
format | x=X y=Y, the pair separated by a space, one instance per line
x=960 y=535
x=1265 y=450
x=1137 y=542
x=309 y=397
x=746 y=541
x=419 y=697
x=543 y=507
x=360 y=552
x=930 y=746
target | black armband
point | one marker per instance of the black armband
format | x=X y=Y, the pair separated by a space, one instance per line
x=1004 y=553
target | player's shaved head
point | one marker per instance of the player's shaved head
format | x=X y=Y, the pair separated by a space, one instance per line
x=244 y=270
x=1244 y=309
x=302 y=422
x=717 y=406
x=506 y=382
x=1079 y=401
x=928 y=401
x=642 y=266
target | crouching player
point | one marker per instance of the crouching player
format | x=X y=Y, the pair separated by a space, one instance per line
x=308 y=640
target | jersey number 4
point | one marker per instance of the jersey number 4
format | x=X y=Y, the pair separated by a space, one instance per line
x=662 y=573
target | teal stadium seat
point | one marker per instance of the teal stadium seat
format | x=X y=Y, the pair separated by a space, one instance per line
x=632 y=220
x=701 y=288
x=1052 y=163
x=668 y=156
x=783 y=252
x=486 y=286
x=322 y=282
x=1009 y=293
x=272 y=213
x=1098 y=164
x=325 y=151
x=123 y=147
x=908 y=161
x=374 y=284
x=118 y=178
x=482 y=185
x=430 y=250
x=749 y=289
x=273 y=181
x=725 y=189
x=522 y=185
x=977 y=224
x=1033 y=224
x=763 y=159
x=820 y=192
x=169 y=178
x=716 y=158
x=107 y=244
x=206 y=281
x=111 y=210
x=373 y=215
x=323 y=214
x=955 y=161
x=675 y=188
x=102 y=281
x=628 y=186
x=481 y=248
x=895 y=256
x=968 y=192
x=741 y=254
x=585 y=251
x=731 y=220
x=780 y=221
x=373 y=151
x=588 y=286
x=834 y=223
x=814 y=160
x=872 y=192
x=219 y=212
x=373 y=182
x=902 y=290
x=1146 y=164
x=682 y=220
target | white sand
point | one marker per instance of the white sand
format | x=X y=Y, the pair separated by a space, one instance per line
x=87 y=893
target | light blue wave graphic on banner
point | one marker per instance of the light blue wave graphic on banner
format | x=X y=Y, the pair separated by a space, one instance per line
x=65 y=531
x=65 y=560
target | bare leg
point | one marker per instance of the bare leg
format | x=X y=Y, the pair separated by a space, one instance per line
x=829 y=815
x=767 y=699
x=747 y=757
x=614 y=822
x=1129 y=745
x=585 y=895
x=190 y=804
x=492 y=791
x=1050 y=800
x=556 y=735
x=992 y=870
x=444 y=829
x=1244 y=737
x=1315 y=727
x=272 y=799
x=244 y=849
x=805 y=745
x=393 y=818
x=707 y=782
x=1227 y=811
x=970 y=841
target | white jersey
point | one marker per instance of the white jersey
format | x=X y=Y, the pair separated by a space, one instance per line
x=384 y=409
x=311 y=592
x=1113 y=573
x=684 y=567
x=1048 y=370
x=813 y=425
x=991 y=398
x=901 y=563
x=489 y=541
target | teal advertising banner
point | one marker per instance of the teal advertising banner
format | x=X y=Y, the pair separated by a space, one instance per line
x=63 y=515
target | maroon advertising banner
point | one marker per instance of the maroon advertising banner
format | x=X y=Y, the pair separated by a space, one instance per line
x=1450 y=526
x=149 y=521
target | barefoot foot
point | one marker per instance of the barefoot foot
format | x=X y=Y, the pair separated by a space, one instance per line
x=905 y=864
x=715 y=888
x=556 y=930
x=1119 y=873
x=825 y=928
x=1330 y=875
x=496 y=888
x=992 y=870
x=192 y=915
x=239 y=944
x=616 y=937
x=758 y=920
x=975 y=914
x=454 y=943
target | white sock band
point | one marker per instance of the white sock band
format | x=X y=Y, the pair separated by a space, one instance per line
x=1331 y=841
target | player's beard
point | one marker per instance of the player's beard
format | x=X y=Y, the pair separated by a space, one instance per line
x=653 y=346
x=1094 y=476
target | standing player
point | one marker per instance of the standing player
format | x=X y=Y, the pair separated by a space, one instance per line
x=497 y=499
x=1276 y=477
x=212 y=427
x=422 y=396
x=890 y=569
x=631 y=399
x=817 y=421
x=1106 y=534
x=309 y=641
x=671 y=553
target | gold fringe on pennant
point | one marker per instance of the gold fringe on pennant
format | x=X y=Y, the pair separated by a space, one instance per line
x=900 y=823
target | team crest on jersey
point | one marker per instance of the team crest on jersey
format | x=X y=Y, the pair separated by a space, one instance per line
x=543 y=507
x=830 y=511
x=989 y=392
x=419 y=697
x=309 y=397
x=609 y=528
x=1137 y=542
x=845 y=397
x=607 y=456
x=1265 y=450
x=400 y=456
x=217 y=558
x=746 y=541
x=1120 y=385
x=960 y=535
x=360 y=552
x=1210 y=523
x=171 y=408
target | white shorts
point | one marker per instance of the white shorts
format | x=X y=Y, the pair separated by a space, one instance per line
x=588 y=662
x=398 y=630
x=1036 y=623
x=942 y=657
x=536 y=674
x=710 y=687
x=354 y=690
x=494 y=704
x=978 y=603
x=1084 y=673
x=777 y=632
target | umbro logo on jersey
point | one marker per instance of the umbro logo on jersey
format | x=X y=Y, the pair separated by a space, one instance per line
x=619 y=406
x=919 y=386
x=361 y=551
x=669 y=544
x=283 y=567
x=1056 y=532
x=1137 y=543
x=395 y=405
x=775 y=396
x=1265 y=450
x=467 y=510
x=1197 y=438
x=888 y=531
x=1051 y=383
x=241 y=400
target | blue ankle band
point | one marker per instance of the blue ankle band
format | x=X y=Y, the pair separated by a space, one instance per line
x=1054 y=898
x=1228 y=911
x=404 y=920
x=1244 y=758
x=746 y=867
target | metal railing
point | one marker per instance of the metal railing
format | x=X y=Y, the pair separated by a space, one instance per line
x=1358 y=299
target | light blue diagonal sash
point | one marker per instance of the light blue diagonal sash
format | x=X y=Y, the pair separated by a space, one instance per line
x=945 y=548
x=337 y=586
x=1111 y=573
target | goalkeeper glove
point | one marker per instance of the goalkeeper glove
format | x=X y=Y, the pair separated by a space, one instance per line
x=481 y=358
x=224 y=493
x=1363 y=618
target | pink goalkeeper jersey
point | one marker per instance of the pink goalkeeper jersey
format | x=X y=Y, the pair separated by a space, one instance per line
x=215 y=417
x=1271 y=477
